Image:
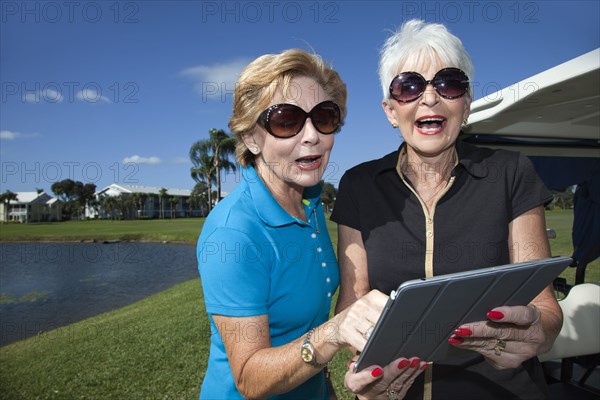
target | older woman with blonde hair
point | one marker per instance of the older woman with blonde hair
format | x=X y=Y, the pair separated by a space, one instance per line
x=436 y=206
x=265 y=258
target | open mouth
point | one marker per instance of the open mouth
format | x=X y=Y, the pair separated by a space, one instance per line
x=309 y=162
x=430 y=125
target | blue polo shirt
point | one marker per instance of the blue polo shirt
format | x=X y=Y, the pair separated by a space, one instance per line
x=254 y=259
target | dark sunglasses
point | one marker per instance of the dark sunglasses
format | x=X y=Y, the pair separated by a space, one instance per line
x=450 y=83
x=287 y=120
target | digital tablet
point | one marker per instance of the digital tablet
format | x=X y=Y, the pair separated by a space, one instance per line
x=422 y=314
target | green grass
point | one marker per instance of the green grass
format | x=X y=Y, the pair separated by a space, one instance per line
x=156 y=348
x=153 y=349
x=562 y=223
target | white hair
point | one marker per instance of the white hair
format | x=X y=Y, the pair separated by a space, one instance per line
x=417 y=43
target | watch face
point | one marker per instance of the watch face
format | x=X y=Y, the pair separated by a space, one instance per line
x=307 y=355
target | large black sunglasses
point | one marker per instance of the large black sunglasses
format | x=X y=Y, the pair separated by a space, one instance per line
x=287 y=120
x=450 y=83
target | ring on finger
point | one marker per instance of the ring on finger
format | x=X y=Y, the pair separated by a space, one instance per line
x=367 y=333
x=392 y=394
x=499 y=347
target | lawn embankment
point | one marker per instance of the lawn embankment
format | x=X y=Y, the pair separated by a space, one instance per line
x=153 y=349
x=156 y=348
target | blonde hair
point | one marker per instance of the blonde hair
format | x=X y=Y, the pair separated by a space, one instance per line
x=264 y=77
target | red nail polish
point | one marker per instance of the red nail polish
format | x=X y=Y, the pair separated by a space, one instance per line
x=495 y=315
x=424 y=367
x=415 y=362
x=463 y=332
x=376 y=372
x=402 y=364
x=455 y=340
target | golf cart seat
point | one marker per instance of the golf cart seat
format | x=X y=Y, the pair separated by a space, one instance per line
x=578 y=343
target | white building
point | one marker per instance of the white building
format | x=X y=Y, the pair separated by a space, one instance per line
x=146 y=202
x=31 y=207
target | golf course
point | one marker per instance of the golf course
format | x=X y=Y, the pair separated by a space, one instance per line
x=156 y=348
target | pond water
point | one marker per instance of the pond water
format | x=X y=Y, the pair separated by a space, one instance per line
x=47 y=285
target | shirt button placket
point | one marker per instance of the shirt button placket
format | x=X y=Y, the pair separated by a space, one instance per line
x=323 y=265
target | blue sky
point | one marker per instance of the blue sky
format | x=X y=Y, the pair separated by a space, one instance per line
x=117 y=92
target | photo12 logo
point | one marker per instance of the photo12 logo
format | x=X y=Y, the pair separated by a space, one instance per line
x=526 y=12
x=253 y=12
x=51 y=172
x=52 y=12
x=60 y=254
x=70 y=92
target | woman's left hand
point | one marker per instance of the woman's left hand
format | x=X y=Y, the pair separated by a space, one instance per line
x=510 y=336
x=388 y=383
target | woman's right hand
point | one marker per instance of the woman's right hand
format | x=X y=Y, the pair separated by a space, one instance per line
x=388 y=383
x=354 y=325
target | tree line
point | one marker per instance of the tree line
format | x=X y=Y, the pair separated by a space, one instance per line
x=209 y=158
x=75 y=196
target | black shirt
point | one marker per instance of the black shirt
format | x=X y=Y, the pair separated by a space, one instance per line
x=466 y=229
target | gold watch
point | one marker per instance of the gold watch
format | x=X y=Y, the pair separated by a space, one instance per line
x=307 y=352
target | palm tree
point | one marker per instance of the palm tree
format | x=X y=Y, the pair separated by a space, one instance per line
x=6 y=198
x=161 y=194
x=173 y=202
x=219 y=146
x=223 y=146
x=125 y=205
x=109 y=204
x=135 y=200
x=142 y=203
x=198 y=199
x=138 y=199
x=203 y=170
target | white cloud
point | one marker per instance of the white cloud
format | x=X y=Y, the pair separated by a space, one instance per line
x=215 y=82
x=46 y=95
x=142 y=160
x=91 y=95
x=11 y=135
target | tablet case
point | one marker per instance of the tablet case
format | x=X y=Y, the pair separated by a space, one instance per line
x=422 y=314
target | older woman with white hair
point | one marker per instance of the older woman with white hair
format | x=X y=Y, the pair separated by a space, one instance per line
x=435 y=206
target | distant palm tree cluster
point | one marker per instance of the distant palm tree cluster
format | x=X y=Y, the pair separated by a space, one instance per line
x=209 y=158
